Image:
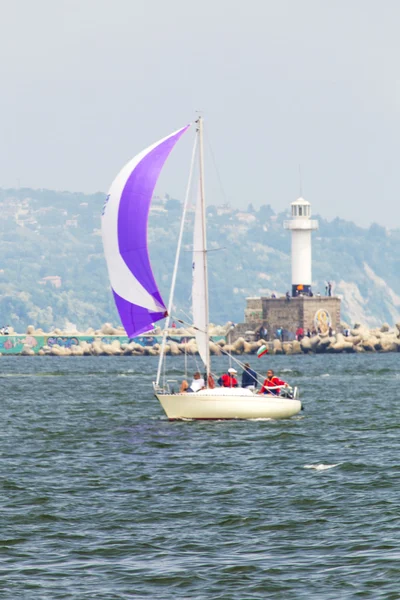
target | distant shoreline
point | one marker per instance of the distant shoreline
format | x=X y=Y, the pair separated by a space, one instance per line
x=359 y=340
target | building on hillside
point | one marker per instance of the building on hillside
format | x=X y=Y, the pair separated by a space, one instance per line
x=54 y=280
x=158 y=208
x=245 y=217
x=224 y=209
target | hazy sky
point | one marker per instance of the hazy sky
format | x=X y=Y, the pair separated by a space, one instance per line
x=86 y=84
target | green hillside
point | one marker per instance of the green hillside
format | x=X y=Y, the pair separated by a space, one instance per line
x=52 y=269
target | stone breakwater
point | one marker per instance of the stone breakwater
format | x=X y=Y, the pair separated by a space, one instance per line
x=359 y=340
x=110 y=341
x=106 y=341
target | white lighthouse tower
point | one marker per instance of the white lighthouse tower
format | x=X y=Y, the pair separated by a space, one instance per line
x=301 y=225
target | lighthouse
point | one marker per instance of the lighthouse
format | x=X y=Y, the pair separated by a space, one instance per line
x=301 y=226
x=305 y=311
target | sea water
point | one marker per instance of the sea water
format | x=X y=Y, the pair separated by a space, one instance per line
x=102 y=497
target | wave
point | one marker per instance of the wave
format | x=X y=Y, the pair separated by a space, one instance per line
x=321 y=466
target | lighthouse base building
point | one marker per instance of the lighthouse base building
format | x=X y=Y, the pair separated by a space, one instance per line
x=313 y=313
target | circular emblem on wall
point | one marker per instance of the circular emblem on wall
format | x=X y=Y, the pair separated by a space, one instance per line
x=322 y=320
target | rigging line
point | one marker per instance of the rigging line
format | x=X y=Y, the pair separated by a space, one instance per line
x=237 y=361
x=208 y=250
x=177 y=256
x=186 y=364
x=241 y=364
x=164 y=370
x=300 y=182
x=186 y=324
x=193 y=327
x=230 y=343
x=187 y=315
x=208 y=141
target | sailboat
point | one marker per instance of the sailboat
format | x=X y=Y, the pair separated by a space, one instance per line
x=137 y=297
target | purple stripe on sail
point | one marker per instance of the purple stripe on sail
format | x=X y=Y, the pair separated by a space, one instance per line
x=134 y=211
x=136 y=319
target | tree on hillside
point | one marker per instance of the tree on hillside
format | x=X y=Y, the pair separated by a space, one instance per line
x=172 y=205
x=376 y=231
x=265 y=212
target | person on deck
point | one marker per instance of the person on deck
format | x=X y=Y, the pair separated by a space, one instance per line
x=249 y=378
x=197 y=383
x=184 y=387
x=228 y=379
x=271 y=382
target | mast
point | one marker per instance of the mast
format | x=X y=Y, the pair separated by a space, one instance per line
x=203 y=227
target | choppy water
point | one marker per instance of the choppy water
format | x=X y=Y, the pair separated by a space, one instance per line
x=102 y=497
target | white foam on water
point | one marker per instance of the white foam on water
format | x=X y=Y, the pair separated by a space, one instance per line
x=127 y=374
x=4 y=375
x=325 y=375
x=320 y=466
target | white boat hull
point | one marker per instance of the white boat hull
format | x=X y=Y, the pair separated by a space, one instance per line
x=225 y=403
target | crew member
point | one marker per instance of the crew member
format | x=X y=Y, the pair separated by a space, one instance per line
x=197 y=383
x=271 y=382
x=249 y=377
x=228 y=379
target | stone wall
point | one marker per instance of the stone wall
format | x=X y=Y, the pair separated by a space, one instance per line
x=291 y=314
x=329 y=303
x=253 y=313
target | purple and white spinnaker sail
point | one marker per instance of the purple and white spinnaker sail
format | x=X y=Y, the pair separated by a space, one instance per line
x=124 y=231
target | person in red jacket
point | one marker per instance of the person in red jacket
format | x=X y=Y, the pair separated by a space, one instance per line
x=228 y=379
x=270 y=382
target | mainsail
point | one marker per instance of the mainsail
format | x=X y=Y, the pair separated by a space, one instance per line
x=199 y=286
x=124 y=231
x=199 y=265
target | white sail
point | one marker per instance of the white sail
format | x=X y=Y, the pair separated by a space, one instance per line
x=199 y=283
